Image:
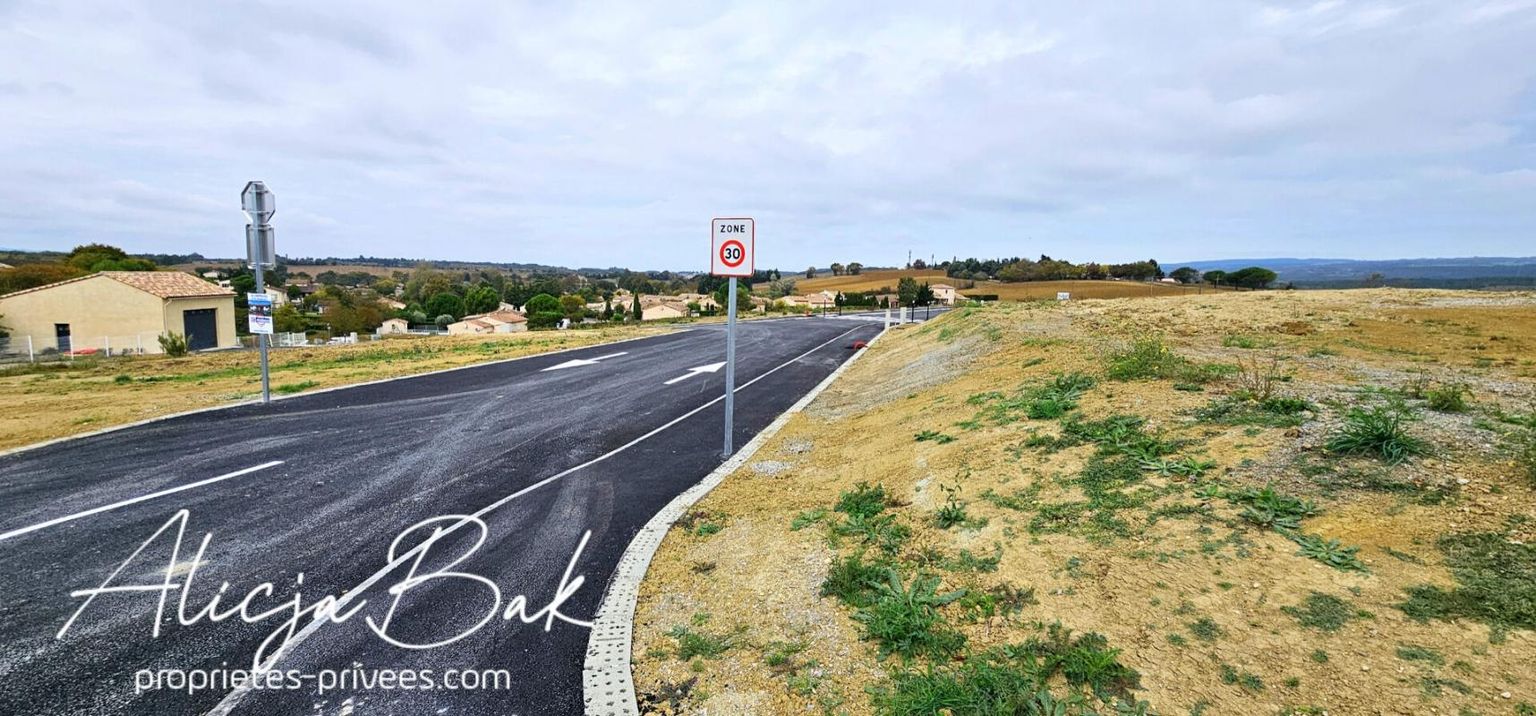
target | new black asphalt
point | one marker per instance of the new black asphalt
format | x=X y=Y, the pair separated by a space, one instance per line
x=360 y=466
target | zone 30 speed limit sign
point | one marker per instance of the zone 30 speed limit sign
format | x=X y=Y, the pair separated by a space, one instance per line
x=731 y=247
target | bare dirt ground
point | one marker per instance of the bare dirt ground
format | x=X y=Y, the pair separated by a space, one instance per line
x=1163 y=477
x=52 y=400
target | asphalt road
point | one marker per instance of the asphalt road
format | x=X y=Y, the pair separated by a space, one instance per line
x=560 y=467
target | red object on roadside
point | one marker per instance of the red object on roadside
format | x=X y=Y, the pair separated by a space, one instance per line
x=859 y=344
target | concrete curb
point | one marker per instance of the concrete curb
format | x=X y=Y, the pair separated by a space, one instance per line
x=607 y=678
x=349 y=386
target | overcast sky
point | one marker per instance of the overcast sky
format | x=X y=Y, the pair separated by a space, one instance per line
x=599 y=134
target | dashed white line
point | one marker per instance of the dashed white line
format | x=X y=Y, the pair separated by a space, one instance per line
x=233 y=698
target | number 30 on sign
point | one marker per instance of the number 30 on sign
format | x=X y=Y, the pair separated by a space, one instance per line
x=731 y=247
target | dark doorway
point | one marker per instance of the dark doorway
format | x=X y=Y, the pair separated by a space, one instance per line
x=202 y=328
x=61 y=336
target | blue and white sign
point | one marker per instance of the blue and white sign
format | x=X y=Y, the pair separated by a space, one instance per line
x=260 y=315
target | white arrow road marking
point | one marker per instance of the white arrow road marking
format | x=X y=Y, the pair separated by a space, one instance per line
x=711 y=368
x=583 y=361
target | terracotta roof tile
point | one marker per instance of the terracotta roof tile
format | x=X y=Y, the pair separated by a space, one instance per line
x=168 y=284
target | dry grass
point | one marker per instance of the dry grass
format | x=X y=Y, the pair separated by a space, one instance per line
x=1024 y=291
x=54 y=400
x=1172 y=574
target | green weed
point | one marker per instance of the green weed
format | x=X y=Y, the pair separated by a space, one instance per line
x=1206 y=629
x=881 y=531
x=1151 y=358
x=1411 y=652
x=291 y=388
x=853 y=581
x=1449 y=398
x=934 y=436
x=1266 y=507
x=1495 y=583
x=692 y=643
x=904 y=619
x=1379 y=432
x=1328 y=551
x=863 y=500
x=1272 y=412
x=807 y=518
x=1323 y=612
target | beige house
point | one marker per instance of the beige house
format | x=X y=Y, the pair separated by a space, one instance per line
x=705 y=300
x=395 y=326
x=661 y=310
x=496 y=322
x=122 y=311
x=945 y=293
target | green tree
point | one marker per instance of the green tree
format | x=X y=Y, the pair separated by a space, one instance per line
x=481 y=299
x=855 y=268
x=543 y=303
x=1254 y=277
x=572 y=307
x=924 y=295
x=101 y=257
x=837 y=269
x=443 y=320
x=446 y=303
x=28 y=276
x=635 y=309
x=1215 y=278
x=906 y=290
x=287 y=319
x=1185 y=274
x=743 y=298
x=810 y=272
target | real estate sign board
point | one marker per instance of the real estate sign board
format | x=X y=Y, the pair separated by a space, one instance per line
x=260 y=315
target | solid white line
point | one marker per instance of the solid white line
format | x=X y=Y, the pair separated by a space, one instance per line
x=232 y=700
x=142 y=498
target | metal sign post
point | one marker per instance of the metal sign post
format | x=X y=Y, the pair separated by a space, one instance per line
x=260 y=204
x=732 y=249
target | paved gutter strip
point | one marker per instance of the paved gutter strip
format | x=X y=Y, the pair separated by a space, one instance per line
x=607 y=676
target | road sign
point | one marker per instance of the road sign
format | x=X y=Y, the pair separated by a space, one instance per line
x=258 y=201
x=261 y=251
x=260 y=246
x=260 y=314
x=731 y=247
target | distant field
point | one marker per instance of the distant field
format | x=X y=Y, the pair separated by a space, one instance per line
x=1029 y=290
x=867 y=281
x=311 y=269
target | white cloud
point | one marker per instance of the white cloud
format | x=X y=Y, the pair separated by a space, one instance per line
x=608 y=133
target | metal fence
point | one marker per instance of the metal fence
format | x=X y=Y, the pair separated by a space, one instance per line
x=33 y=349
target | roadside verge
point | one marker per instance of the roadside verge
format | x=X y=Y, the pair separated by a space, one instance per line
x=608 y=687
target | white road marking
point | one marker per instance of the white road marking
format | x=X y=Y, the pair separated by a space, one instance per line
x=232 y=700
x=711 y=368
x=142 y=498
x=583 y=361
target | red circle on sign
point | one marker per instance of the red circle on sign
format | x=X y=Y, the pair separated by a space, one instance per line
x=732 y=249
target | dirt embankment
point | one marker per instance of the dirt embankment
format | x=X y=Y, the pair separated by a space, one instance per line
x=1257 y=503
